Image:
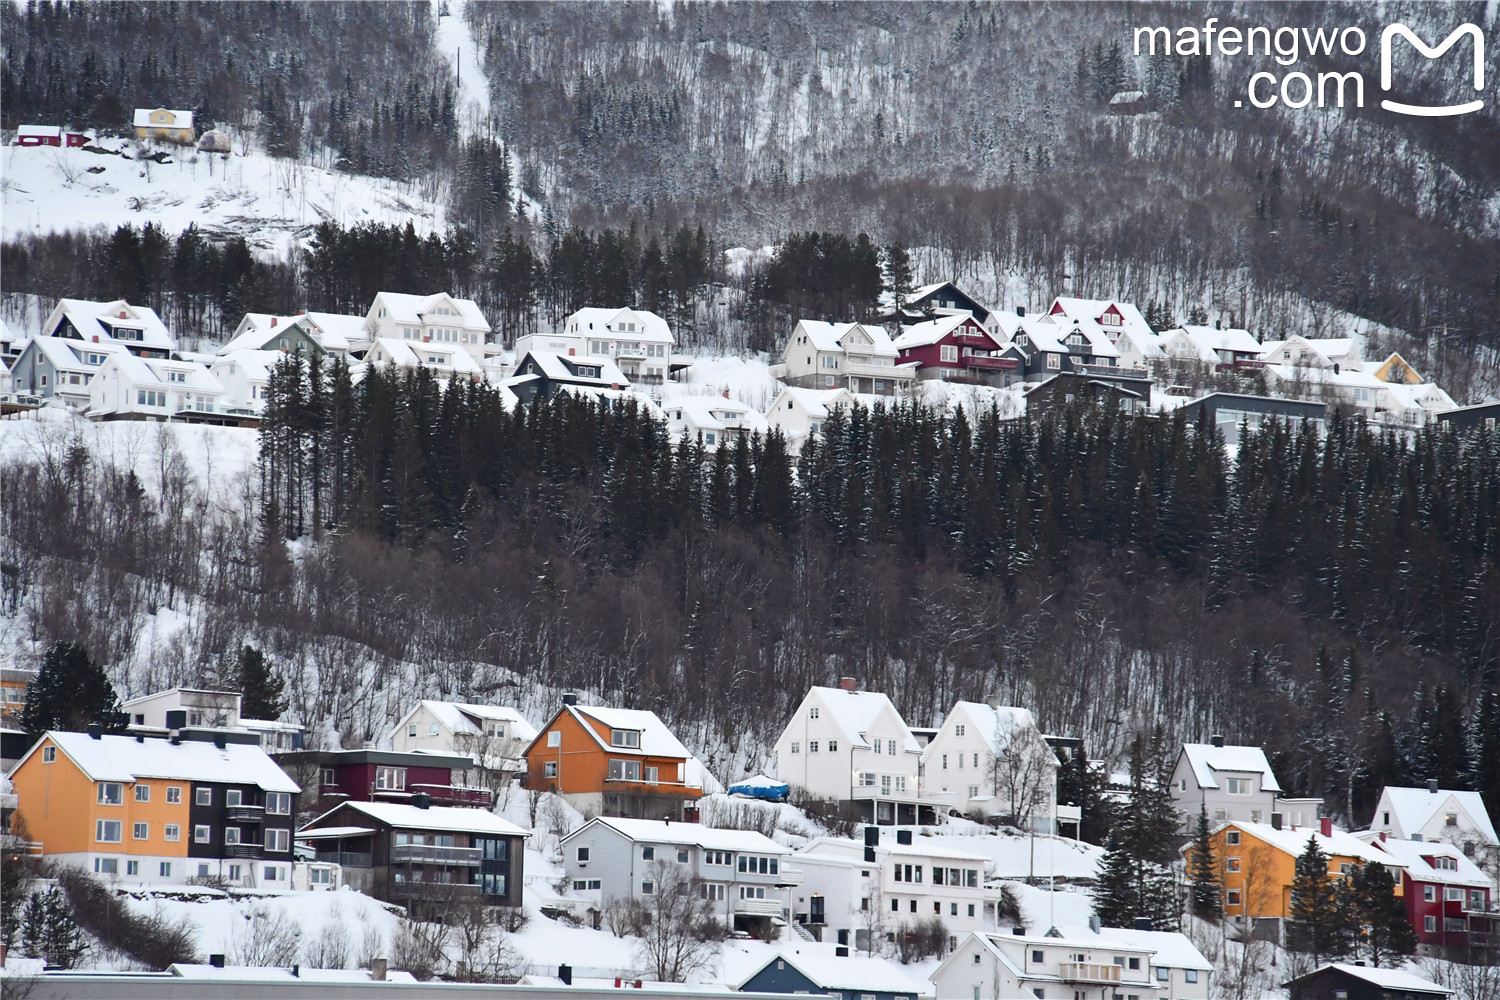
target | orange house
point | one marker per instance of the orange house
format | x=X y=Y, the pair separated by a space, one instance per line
x=13 y=685
x=1258 y=863
x=614 y=762
x=157 y=811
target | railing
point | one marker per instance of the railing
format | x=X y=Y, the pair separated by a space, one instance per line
x=1113 y=371
x=1088 y=972
x=242 y=850
x=245 y=813
x=467 y=795
x=998 y=364
x=654 y=787
x=347 y=859
x=789 y=876
x=759 y=907
x=861 y=369
x=433 y=890
x=1482 y=909
x=438 y=855
x=973 y=340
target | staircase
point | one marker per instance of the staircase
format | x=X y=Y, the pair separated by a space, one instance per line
x=802 y=932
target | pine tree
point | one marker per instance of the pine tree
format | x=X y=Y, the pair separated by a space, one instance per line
x=260 y=688
x=1485 y=757
x=70 y=693
x=1116 y=899
x=1387 y=932
x=1203 y=873
x=1318 y=906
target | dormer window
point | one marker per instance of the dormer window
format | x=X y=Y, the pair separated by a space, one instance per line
x=630 y=738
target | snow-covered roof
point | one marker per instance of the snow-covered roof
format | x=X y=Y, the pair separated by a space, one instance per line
x=706 y=413
x=257 y=365
x=42 y=131
x=1416 y=852
x=856 y=712
x=1075 y=308
x=1148 y=345
x=422 y=308
x=933 y=330
x=592 y=321
x=1043 y=333
x=816 y=401
x=1415 y=808
x=559 y=368
x=1332 y=350
x=1169 y=948
x=67 y=354
x=1128 y=97
x=440 y=818
x=1293 y=841
x=1387 y=979
x=830 y=336
x=656 y=739
x=1098 y=338
x=656 y=831
x=414 y=354
x=126 y=759
x=260 y=329
x=843 y=849
x=989 y=722
x=468 y=719
x=85 y=314
x=152 y=373
x=335 y=331
x=851 y=974
x=1206 y=760
x=1238 y=341
x=180 y=119
x=267 y=974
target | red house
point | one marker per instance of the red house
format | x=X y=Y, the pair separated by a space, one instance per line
x=48 y=135
x=955 y=346
x=1448 y=896
x=336 y=776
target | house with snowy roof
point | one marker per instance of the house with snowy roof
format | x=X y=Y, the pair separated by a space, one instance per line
x=614 y=762
x=544 y=374
x=992 y=759
x=157 y=811
x=854 y=356
x=130 y=388
x=246 y=377
x=137 y=328
x=854 y=747
x=494 y=736
x=1448 y=897
x=713 y=421
x=799 y=413
x=438 y=321
x=805 y=968
x=1434 y=814
x=744 y=874
x=60 y=368
x=941 y=298
x=637 y=340
x=1231 y=782
x=312 y=332
x=1211 y=345
x=1361 y=982
x=955 y=345
x=1391 y=404
x=445 y=361
x=1077 y=962
x=1297 y=351
x=166 y=124
x=1109 y=314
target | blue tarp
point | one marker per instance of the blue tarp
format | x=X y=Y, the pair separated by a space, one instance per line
x=760 y=787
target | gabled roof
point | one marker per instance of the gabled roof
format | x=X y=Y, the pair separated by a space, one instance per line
x=261 y=329
x=1294 y=842
x=419 y=308
x=440 y=818
x=151 y=373
x=1415 y=808
x=850 y=974
x=335 y=331
x=1044 y=334
x=84 y=315
x=591 y=321
x=1206 y=760
x=126 y=759
x=856 y=712
x=1386 y=979
x=830 y=336
x=1098 y=338
x=560 y=368
x=65 y=354
x=1205 y=342
x=180 y=119
x=1416 y=852
x=1170 y=948
x=257 y=365
x=656 y=739
x=1147 y=344
x=989 y=722
x=656 y=831
x=934 y=330
x=702 y=413
x=815 y=401
x=467 y=719
x=1082 y=309
x=405 y=354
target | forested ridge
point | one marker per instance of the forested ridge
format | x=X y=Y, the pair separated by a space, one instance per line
x=1333 y=598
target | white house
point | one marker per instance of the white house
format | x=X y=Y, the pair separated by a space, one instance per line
x=331 y=332
x=853 y=747
x=860 y=358
x=1111 y=315
x=55 y=367
x=1139 y=350
x=1234 y=783
x=541 y=373
x=494 y=736
x=1303 y=352
x=1435 y=814
x=799 y=413
x=1394 y=404
x=1075 y=963
x=1211 y=345
x=849 y=899
x=637 y=340
x=446 y=361
x=246 y=377
x=713 y=420
x=439 y=321
x=743 y=874
x=993 y=761
x=137 y=328
x=196 y=708
x=130 y=388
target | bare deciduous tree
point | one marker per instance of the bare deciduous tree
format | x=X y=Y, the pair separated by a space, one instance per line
x=683 y=934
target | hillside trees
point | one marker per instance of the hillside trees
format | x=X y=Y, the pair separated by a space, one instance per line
x=70 y=693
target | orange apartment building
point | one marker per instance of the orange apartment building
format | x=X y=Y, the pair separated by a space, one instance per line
x=614 y=762
x=157 y=811
x=1258 y=862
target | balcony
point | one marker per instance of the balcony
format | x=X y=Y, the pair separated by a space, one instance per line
x=789 y=876
x=347 y=859
x=418 y=889
x=242 y=850
x=426 y=854
x=1088 y=972
x=1481 y=909
x=1112 y=371
x=758 y=907
x=455 y=795
x=990 y=364
x=245 y=813
x=636 y=786
x=865 y=369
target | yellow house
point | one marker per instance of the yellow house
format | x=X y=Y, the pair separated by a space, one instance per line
x=1397 y=370
x=151 y=810
x=1258 y=862
x=13 y=685
x=160 y=123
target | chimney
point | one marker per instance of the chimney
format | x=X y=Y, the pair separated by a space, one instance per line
x=1325 y=826
x=1021 y=311
x=377 y=970
x=1143 y=923
x=848 y=684
x=1095 y=923
x=1218 y=324
x=1276 y=821
x=273 y=322
x=216 y=961
x=1018 y=931
x=572 y=351
x=96 y=338
x=903 y=837
x=570 y=698
x=296 y=971
x=1217 y=740
x=422 y=800
x=1382 y=836
x=220 y=741
x=139 y=738
x=96 y=731
x=1432 y=785
x=725 y=393
x=565 y=973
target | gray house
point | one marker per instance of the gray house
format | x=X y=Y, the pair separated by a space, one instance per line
x=1232 y=783
x=743 y=873
x=817 y=970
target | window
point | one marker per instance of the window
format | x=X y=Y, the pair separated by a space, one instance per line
x=271 y=873
x=1190 y=975
x=165 y=869
x=278 y=840
x=682 y=856
x=812 y=746
x=1231 y=864
x=1232 y=897
x=1162 y=973
x=945 y=762
x=1238 y=786
x=231 y=835
x=648 y=853
x=235 y=871
x=796 y=746
x=948 y=353
x=583 y=855
x=49 y=754
x=326 y=777
x=143 y=793
x=1053 y=361
x=390 y=779
x=958 y=730
x=890 y=747
x=108 y=831
x=625 y=770
x=648 y=888
x=549 y=769
x=111 y=866
x=411 y=731
x=234 y=797
x=625 y=738
x=279 y=803
x=140 y=831
x=202 y=835
x=833 y=746
x=1134 y=963
x=111 y=793
x=1232 y=838
x=1453 y=894
x=203 y=796
x=172 y=832
x=812 y=713
x=1429 y=923
x=585 y=884
x=885 y=784
x=554 y=738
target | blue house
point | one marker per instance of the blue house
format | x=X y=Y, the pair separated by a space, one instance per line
x=819 y=970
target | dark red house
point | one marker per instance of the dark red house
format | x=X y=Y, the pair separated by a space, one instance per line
x=955 y=346
x=1448 y=897
x=48 y=135
x=331 y=777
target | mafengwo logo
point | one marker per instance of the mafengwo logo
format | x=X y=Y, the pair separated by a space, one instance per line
x=1287 y=46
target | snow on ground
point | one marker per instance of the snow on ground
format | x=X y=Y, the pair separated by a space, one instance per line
x=454 y=40
x=1018 y=857
x=270 y=201
x=745 y=379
